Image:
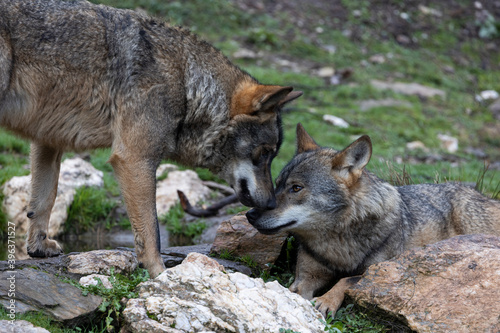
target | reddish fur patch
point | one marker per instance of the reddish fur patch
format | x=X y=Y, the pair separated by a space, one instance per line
x=248 y=97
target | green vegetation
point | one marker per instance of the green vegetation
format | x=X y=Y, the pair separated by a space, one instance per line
x=90 y=206
x=181 y=232
x=123 y=286
x=40 y=319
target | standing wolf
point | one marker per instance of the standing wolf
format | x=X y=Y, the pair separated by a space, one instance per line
x=347 y=219
x=76 y=76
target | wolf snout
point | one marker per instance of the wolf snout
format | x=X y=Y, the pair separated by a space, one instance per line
x=254 y=198
x=253 y=215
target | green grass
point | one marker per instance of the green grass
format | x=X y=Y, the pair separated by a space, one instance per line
x=124 y=286
x=39 y=319
x=90 y=206
x=180 y=230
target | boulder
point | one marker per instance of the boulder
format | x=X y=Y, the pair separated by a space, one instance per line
x=32 y=290
x=186 y=181
x=101 y=262
x=450 y=286
x=74 y=173
x=199 y=296
x=240 y=238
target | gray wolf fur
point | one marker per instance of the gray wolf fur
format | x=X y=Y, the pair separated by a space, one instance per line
x=77 y=76
x=347 y=219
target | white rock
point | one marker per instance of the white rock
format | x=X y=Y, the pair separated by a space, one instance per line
x=244 y=54
x=74 y=173
x=335 y=121
x=486 y=95
x=377 y=59
x=326 y=71
x=92 y=280
x=20 y=326
x=186 y=181
x=449 y=143
x=101 y=262
x=199 y=296
x=408 y=88
x=416 y=145
x=429 y=11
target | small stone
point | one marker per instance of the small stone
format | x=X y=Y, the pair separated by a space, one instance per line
x=92 y=279
x=326 y=72
x=449 y=143
x=377 y=59
x=335 y=121
x=245 y=54
x=414 y=145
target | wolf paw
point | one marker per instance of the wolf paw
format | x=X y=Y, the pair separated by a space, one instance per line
x=49 y=248
x=327 y=305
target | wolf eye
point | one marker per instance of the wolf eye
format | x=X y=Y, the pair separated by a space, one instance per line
x=296 y=188
x=265 y=153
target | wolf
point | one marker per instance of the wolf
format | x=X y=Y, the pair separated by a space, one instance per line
x=76 y=76
x=346 y=219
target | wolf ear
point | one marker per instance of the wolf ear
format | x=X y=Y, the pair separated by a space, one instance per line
x=351 y=161
x=304 y=141
x=251 y=98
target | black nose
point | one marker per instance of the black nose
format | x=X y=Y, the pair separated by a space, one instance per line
x=271 y=204
x=253 y=215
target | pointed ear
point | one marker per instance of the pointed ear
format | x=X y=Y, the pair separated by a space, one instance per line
x=304 y=141
x=351 y=161
x=251 y=98
x=290 y=97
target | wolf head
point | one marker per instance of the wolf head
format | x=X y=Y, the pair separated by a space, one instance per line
x=254 y=141
x=315 y=185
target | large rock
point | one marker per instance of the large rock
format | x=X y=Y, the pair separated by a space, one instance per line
x=74 y=173
x=240 y=238
x=450 y=286
x=199 y=296
x=186 y=181
x=101 y=262
x=33 y=290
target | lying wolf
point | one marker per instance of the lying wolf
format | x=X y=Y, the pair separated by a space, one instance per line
x=77 y=76
x=347 y=219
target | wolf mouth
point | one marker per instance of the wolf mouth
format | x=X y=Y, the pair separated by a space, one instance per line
x=277 y=229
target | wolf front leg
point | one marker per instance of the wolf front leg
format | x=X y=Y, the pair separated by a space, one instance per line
x=332 y=300
x=138 y=184
x=45 y=165
x=310 y=275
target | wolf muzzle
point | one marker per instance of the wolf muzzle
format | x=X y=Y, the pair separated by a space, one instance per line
x=253 y=215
